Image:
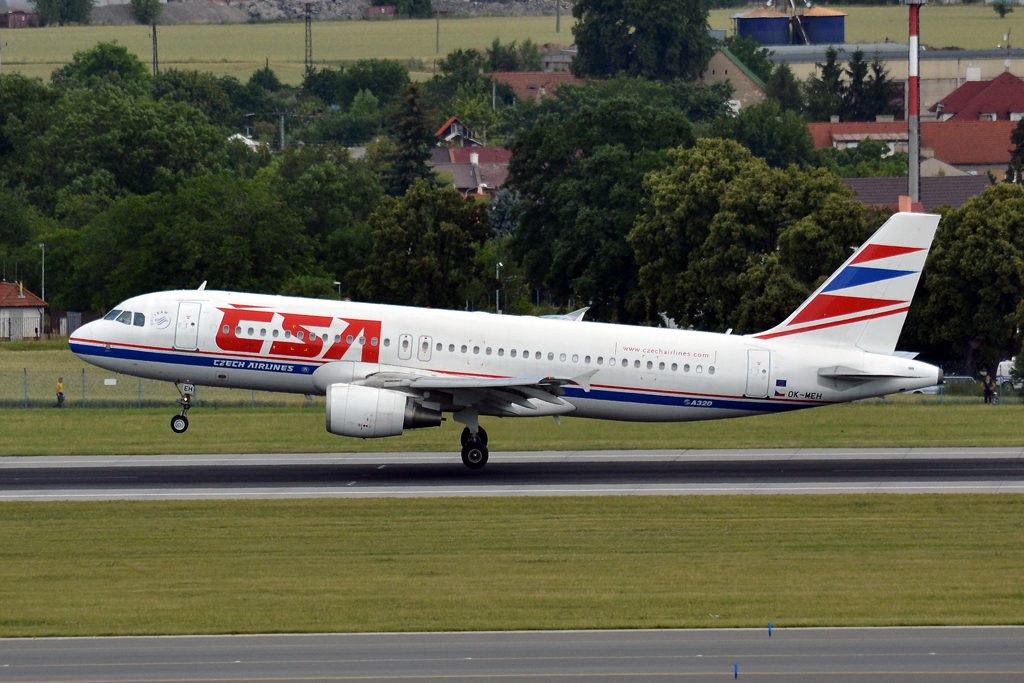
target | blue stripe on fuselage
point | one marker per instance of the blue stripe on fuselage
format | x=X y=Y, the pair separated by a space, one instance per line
x=260 y=365
x=684 y=401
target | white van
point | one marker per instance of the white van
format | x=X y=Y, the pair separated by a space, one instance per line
x=1003 y=375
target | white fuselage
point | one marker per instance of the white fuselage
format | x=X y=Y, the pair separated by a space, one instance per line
x=276 y=343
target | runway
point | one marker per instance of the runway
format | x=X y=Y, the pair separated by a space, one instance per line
x=836 y=655
x=548 y=473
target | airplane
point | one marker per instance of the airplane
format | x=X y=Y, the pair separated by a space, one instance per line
x=385 y=369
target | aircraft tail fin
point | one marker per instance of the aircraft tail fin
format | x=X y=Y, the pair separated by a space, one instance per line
x=865 y=302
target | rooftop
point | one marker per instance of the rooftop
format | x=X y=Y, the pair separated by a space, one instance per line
x=1001 y=96
x=937 y=191
x=955 y=142
x=9 y=297
x=533 y=84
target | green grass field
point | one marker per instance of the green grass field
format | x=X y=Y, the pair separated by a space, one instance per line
x=239 y=49
x=528 y=563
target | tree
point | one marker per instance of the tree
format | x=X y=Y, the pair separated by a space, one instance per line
x=856 y=100
x=577 y=167
x=753 y=56
x=147 y=11
x=424 y=248
x=869 y=159
x=62 y=12
x=414 y=138
x=974 y=280
x=883 y=96
x=510 y=58
x=107 y=142
x=1015 y=172
x=199 y=89
x=1002 y=7
x=779 y=137
x=104 y=63
x=823 y=95
x=652 y=39
x=783 y=88
x=236 y=234
x=726 y=241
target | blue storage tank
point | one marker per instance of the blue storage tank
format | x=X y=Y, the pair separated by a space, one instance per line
x=763 y=25
x=824 y=26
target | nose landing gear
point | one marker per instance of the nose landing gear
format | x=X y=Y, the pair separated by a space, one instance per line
x=179 y=423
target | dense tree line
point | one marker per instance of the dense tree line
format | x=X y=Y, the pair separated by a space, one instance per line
x=644 y=197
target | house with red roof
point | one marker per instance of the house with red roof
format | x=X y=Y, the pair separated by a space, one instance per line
x=22 y=313
x=1001 y=99
x=975 y=147
x=475 y=171
x=533 y=85
x=455 y=132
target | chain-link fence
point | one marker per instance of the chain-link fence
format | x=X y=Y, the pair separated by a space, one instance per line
x=91 y=387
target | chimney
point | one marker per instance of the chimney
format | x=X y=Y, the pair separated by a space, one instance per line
x=834 y=118
x=474 y=158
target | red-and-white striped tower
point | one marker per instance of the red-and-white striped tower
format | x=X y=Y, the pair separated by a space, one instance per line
x=914 y=104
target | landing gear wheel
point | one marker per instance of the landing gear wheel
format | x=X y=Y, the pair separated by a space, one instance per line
x=466 y=435
x=474 y=454
x=179 y=423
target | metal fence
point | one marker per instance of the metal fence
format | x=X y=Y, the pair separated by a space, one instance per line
x=90 y=387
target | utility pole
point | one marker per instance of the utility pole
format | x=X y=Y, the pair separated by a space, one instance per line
x=156 y=62
x=558 y=16
x=309 y=37
x=282 y=130
x=1 y=55
x=437 y=44
x=43 y=293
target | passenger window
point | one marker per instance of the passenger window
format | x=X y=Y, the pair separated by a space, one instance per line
x=373 y=341
x=699 y=369
x=636 y=364
x=650 y=365
x=263 y=332
x=249 y=332
x=349 y=340
x=125 y=318
x=575 y=358
x=274 y=334
x=301 y=335
x=464 y=348
x=711 y=369
x=451 y=348
x=611 y=362
x=551 y=356
x=323 y=338
x=587 y=360
x=440 y=346
x=686 y=367
x=139 y=320
x=405 y=342
x=337 y=339
x=561 y=357
x=600 y=360
x=387 y=342
x=238 y=331
x=226 y=329
x=112 y=315
x=362 y=340
x=674 y=367
x=512 y=353
x=476 y=349
x=501 y=352
x=661 y=366
x=426 y=346
x=488 y=351
x=526 y=355
x=287 y=333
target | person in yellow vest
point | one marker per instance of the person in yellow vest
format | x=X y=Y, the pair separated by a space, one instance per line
x=60 y=392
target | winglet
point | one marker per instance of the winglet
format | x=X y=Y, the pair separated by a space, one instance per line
x=584 y=380
x=202 y=286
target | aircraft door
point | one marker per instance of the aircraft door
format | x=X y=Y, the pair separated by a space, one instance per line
x=405 y=347
x=758 y=371
x=423 y=350
x=186 y=333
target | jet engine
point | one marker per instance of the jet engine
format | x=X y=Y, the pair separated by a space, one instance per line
x=368 y=412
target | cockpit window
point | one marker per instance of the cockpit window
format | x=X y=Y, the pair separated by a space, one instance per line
x=113 y=314
x=125 y=318
x=140 y=320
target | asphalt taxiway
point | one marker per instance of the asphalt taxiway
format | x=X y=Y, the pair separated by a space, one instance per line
x=980 y=654
x=678 y=472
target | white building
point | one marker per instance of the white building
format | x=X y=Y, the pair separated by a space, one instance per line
x=22 y=313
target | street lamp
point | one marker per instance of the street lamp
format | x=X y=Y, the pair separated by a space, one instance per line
x=43 y=293
x=338 y=285
x=497 y=291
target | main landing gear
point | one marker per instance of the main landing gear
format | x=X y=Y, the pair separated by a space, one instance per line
x=179 y=423
x=474 y=448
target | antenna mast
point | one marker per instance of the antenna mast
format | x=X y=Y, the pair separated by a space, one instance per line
x=309 y=37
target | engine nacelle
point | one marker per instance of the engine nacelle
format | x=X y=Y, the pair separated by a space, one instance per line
x=368 y=412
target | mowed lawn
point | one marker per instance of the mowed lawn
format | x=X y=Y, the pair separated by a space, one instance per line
x=519 y=563
x=298 y=430
x=239 y=49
